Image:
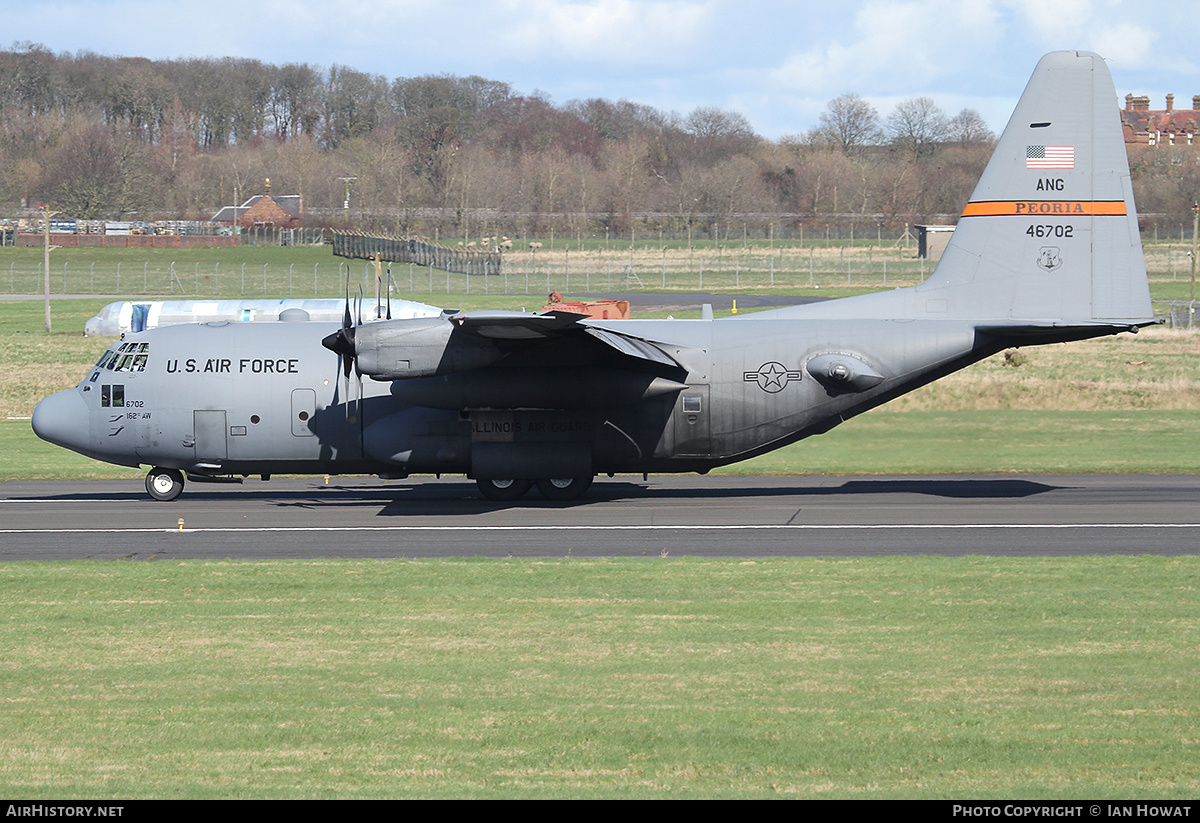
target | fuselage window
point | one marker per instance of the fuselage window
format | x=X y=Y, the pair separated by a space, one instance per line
x=112 y=396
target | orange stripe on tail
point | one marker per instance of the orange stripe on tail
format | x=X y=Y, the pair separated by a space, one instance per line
x=1044 y=208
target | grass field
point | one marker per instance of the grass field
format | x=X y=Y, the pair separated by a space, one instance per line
x=916 y=677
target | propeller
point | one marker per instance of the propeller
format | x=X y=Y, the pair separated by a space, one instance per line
x=341 y=341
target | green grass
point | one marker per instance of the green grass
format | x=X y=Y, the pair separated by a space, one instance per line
x=605 y=678
x=994 y=441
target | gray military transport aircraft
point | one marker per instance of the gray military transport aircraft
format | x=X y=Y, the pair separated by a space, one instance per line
x=1047 y=250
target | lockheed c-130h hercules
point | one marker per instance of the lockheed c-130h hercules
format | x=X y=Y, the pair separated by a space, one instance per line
x=1047 y=250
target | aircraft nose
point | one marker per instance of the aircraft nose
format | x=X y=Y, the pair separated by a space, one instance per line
x=62 y=419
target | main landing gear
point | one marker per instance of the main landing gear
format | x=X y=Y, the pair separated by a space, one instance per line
x=554 y=488
x=164 y=484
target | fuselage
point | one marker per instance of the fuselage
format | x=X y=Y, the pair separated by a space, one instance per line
x=227 y=398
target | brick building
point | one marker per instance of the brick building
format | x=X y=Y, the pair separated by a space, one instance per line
x=265 y=211
x=1163 y=127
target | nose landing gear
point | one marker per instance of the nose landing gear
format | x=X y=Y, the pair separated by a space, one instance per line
x=164 y=484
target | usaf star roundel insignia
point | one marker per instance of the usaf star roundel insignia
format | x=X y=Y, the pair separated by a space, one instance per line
x=771 y=377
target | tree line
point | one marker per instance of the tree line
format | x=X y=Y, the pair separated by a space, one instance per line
x=125 y=137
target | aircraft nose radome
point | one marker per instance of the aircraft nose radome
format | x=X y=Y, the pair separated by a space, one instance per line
x=61 y=419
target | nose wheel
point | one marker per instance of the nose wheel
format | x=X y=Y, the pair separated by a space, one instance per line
x=164 y=484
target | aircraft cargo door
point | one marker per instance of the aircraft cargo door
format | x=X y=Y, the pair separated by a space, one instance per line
x=210 y=436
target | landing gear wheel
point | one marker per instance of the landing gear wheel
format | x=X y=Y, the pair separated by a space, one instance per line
x=563 y=488
x=164 y=484
x=503 y=490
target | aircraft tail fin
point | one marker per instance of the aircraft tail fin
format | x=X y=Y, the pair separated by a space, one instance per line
x=1050 y=235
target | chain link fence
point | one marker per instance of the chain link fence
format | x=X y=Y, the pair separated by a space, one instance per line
x=529 y=272
x=1178 y=314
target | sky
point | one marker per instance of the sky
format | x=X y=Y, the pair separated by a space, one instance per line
x=777 y=62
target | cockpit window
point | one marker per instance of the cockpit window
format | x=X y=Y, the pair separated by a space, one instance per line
x=129 y=357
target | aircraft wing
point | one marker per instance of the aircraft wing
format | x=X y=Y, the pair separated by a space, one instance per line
x=515 y=325
x=506 y=325
x=633 y=346
x=453 y=343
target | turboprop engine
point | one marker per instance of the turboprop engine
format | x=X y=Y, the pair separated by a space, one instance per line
x=420 y=347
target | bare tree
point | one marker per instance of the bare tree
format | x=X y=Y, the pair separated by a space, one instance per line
x=96 y=174
x=718 y=134
x=968 y=126
x=918 y=125
x=850 y=123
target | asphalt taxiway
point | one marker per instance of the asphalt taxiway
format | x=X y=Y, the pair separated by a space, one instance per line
x=715 y=516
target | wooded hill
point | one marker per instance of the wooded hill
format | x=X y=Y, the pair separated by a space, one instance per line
x=116 y=137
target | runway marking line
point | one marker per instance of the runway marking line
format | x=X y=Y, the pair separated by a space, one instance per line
x=688 y=527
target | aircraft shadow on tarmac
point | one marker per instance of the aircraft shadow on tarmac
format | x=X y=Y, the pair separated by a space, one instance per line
x=417 y=499
x=408 y=501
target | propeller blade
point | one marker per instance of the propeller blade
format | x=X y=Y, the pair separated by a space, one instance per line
x=389 y=294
